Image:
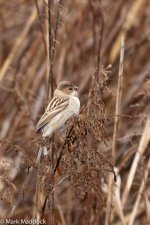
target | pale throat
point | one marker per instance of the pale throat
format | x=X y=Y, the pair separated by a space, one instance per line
x=74 y=93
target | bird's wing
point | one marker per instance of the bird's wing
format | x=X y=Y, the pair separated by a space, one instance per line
x=56 y=106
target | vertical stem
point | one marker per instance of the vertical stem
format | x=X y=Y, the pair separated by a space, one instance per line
x=100 y=42
x=52 y=37
x=98 y=21
x=109 y=200
x=51 y=46
x=50 y=91
x=116 y=125
x=118 y=99
x=49 y=54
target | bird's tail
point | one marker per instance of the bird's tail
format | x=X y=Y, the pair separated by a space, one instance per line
x=42 y=151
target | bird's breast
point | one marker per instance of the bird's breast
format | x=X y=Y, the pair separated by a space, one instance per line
x=74 y=104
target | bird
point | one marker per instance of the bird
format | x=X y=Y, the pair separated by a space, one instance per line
x=64 y=104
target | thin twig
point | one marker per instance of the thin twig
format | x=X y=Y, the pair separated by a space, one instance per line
x=60 y=154
x=118 y=110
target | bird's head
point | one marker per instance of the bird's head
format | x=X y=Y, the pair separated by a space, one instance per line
x=67 y=88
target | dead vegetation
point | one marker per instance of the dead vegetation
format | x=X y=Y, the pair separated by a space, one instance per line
x=76 y=183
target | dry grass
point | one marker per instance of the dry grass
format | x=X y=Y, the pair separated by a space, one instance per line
x=75 y=183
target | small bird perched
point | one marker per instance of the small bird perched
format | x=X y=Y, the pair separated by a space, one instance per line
x=63 y=105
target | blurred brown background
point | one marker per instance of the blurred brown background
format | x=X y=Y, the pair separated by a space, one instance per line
x=23 y=93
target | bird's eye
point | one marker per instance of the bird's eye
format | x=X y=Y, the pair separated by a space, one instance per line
x=70 y=89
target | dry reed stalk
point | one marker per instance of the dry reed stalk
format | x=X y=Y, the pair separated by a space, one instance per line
x=51 y=35
x=60 y=211
x=112 y=30
x=140 y=192
x=41 y=90
x=41 y=27
x=5 y=127
x=116 y=127
x=23 y=97
x=118 y=99
x=109 y=201
x=61 y=62
x=147 y=205
x=18 y=44
x=42 y=192
x=51 y=47
x=117 y=199
x=140 y=151
x=140 y=211
x=75 y=59
x=140 y=78
x=41 y=195
x=126 y=157
x=98 y=17
x=127 y=25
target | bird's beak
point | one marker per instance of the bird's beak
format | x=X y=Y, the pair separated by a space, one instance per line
x=74 y=93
